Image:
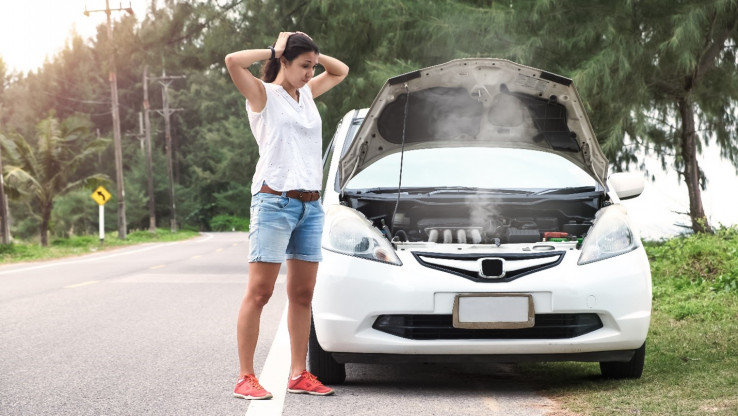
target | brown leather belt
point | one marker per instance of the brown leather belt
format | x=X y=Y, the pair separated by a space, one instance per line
x=304 y=196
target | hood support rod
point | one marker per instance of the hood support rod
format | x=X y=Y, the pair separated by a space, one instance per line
x=402 y=157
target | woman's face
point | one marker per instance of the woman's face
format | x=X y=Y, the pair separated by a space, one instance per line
x=301 y=69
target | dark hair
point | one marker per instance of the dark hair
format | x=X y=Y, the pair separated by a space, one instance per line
x=297 y=44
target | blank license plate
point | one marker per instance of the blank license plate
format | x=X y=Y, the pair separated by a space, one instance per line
x=493 y=311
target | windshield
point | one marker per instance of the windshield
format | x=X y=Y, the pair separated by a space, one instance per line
x=474 y=167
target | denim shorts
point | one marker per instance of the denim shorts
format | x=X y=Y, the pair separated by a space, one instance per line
x=284 y=228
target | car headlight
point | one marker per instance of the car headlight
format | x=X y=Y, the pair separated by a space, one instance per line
x=610 y=236
x=347 y=231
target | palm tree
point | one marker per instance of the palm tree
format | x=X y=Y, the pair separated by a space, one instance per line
x=39 y=175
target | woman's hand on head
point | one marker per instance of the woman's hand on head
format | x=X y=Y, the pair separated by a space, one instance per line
x=281 y=43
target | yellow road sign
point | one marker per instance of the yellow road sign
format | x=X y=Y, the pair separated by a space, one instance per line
x=101 y=195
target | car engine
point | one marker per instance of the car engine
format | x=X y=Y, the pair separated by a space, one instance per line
x=477 y=223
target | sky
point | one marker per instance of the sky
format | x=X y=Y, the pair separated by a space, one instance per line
x=34 y=30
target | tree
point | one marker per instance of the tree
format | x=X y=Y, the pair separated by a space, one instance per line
x=658 y=76
x=39 y=175
x=645 y=69
x=4 y=223
x=3 y=78
x=4 y=214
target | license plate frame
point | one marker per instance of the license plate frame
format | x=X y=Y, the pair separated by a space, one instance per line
x=493 y=311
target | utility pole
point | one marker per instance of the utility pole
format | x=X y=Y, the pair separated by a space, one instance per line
x=112 y=77
x=165 y=80
x=149 y=170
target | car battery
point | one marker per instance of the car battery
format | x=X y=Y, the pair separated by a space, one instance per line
x=575 y=229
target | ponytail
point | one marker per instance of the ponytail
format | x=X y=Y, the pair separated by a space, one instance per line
x=270 y=70
x=297 y=44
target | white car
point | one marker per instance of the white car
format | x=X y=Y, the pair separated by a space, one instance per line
x=470 y=216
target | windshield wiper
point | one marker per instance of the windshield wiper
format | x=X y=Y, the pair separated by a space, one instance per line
x=432 y=190
x=566 y=191
x=373 y=191
x=467 y=189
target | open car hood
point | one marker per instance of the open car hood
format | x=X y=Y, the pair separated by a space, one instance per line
x=482 y=102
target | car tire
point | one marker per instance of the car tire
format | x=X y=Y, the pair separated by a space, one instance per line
x=626 y=369
x=322 y=364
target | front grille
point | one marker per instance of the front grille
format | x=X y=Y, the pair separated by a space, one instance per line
x=428 y=327
x=514 y=265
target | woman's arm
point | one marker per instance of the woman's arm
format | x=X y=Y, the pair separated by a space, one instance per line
x=335 y=72
x=250 y=86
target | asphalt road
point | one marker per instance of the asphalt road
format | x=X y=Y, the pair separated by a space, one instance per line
x=150 y=330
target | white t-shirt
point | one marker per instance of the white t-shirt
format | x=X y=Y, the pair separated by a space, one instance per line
x=289 y=135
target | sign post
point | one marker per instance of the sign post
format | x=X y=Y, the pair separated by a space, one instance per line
x=101 y=196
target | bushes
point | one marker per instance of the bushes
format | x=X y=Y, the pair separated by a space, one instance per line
x=19 y=252
x=77 y=241
x=229 y=223
x=698 y=259
x=696 y=276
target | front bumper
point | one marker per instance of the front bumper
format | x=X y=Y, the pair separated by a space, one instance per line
x=352 y=293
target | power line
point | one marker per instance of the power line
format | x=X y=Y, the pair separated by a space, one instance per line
x=76 y=100
x=106 y=113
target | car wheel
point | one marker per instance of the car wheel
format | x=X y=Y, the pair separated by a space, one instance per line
x=626 y=369
x=322 y=363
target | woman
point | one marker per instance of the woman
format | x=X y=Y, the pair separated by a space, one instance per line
x=286 y=215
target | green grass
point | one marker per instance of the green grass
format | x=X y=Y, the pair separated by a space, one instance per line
x=692 y=348
x=65 y=247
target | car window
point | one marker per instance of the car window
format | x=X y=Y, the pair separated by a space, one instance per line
x=473 y=167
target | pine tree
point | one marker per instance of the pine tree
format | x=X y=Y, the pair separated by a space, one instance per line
x=662 y=74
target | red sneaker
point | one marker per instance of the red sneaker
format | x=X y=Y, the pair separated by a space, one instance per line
x=250 y=389
x=309 y=384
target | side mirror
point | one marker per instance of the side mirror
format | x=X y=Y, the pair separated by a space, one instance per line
x=627 y=185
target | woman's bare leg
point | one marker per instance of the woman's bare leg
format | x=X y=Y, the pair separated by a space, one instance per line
x=301 y=276
x=259 y=289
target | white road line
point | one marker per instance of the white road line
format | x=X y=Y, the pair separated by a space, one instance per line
x=91 y=282
x=274 y=374
x=98 y=258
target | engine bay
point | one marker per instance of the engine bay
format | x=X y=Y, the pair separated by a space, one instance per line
x=477 y=220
